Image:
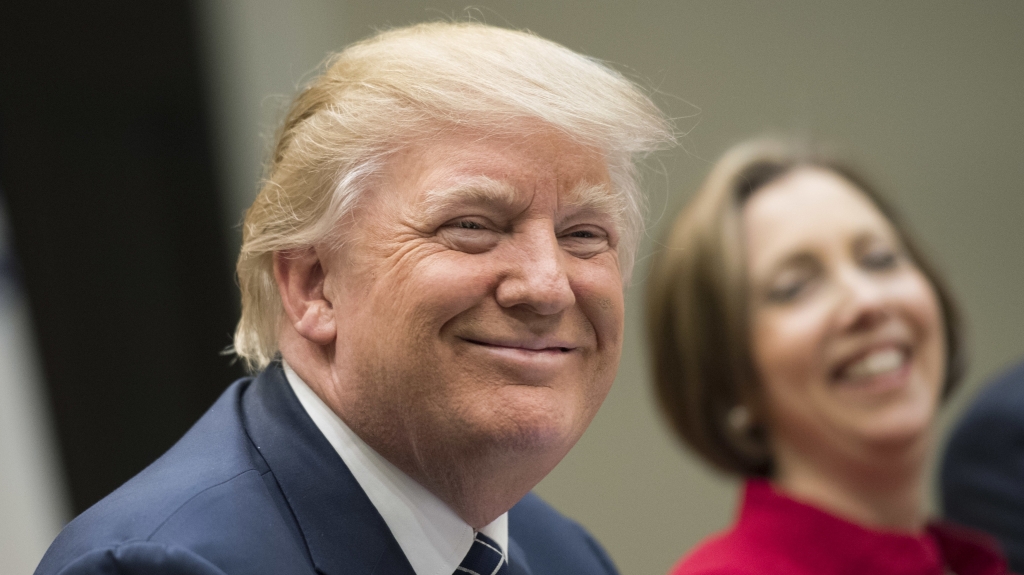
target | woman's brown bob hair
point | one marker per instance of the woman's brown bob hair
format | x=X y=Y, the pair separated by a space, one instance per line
x=697 y=306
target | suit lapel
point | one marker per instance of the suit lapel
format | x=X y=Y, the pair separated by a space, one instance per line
x=343 y=530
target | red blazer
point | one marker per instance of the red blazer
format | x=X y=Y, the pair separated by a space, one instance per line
x=779 y=535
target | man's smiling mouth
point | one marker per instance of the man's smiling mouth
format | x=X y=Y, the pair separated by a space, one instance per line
x=536 y=347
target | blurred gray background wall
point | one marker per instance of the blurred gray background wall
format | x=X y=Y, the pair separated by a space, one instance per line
x=928 y=96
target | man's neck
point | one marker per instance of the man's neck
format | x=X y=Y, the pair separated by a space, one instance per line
x=477 y=482
x=432 y=536
x=479 y=488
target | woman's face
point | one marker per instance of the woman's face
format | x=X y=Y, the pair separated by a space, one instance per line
x=848 y=338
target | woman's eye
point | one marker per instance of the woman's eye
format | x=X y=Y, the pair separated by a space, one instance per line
x=879 y=259
x=468 y=225
x=583 y=234
x=791 y=285
x=786 y=292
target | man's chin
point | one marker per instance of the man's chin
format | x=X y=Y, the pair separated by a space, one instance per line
x=539 y=436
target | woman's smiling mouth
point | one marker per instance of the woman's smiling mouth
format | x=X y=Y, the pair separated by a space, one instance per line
x=885 y=366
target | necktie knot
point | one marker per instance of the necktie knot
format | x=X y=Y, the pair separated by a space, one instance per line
x=484 y=558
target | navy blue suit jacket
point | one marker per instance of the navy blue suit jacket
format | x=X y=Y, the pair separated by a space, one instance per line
x=254 y=488
x=982 y=476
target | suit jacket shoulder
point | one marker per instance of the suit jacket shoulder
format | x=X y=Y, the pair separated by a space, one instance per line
x=983 y=465
x=552 y=543
x=191 y=511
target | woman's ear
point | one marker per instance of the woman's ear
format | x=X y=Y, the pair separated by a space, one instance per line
x=300 y=281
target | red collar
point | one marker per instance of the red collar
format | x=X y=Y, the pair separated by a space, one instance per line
x=819 y=542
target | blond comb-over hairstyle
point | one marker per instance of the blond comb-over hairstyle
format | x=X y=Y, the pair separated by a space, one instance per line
x=405 y=86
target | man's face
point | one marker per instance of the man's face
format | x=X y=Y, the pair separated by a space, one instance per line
x=478 y=299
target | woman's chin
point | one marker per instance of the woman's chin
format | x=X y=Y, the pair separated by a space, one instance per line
x=898 y=433
x=906 y=421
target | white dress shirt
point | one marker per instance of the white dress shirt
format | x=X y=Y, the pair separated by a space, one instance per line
x=433 y=538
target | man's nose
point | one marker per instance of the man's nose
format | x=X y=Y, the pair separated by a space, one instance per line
x=536 y=276
x=863 y=300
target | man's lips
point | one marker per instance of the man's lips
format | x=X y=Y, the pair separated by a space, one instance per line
x=534 y=361
x=526 y=346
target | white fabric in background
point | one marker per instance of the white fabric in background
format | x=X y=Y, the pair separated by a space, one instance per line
x=33 y=502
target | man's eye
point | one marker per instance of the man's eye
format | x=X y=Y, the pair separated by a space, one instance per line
x=473 y=236
x=585 y=241
x=585 y=232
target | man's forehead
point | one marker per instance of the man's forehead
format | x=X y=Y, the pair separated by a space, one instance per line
x=587 y=196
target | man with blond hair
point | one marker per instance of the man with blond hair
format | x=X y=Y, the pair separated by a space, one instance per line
x=432 y=296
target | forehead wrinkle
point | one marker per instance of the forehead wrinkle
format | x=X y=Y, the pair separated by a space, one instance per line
x=480 y=190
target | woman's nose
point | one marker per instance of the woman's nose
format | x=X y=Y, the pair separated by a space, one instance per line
x=536 y=276
x=863 y=300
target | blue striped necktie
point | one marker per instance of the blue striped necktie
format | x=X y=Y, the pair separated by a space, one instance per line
x=484 y=558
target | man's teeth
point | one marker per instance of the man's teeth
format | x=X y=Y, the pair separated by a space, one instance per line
x=876 y=363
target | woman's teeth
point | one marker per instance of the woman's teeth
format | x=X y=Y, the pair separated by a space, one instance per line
x=876 y=363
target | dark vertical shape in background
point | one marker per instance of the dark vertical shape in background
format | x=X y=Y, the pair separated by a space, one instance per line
x=105 y=159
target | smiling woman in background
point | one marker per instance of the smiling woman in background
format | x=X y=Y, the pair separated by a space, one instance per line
x=801 y=341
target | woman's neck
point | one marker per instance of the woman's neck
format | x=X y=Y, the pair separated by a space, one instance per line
x=884 y=493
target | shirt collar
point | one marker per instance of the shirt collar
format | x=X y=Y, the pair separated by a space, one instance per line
x=433 y=538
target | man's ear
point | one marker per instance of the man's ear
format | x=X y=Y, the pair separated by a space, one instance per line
x=300 y=281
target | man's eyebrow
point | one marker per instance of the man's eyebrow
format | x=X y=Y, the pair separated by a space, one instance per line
x=475 y=190
x=594 y=198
